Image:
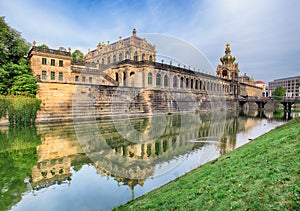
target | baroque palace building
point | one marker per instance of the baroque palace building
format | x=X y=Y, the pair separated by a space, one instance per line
x=132 y=48
x=129 y=63
x=113 y=64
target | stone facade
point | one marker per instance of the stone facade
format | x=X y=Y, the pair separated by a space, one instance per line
x=131 y=48
x=229 y=68
x=147 y=86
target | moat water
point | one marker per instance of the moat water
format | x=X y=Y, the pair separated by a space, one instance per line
x=97 y=165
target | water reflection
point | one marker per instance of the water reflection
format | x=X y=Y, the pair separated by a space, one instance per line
x=140 y=153
x=113 y=153
x=17 y=157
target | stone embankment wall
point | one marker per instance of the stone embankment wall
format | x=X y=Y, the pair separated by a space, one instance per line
x=67 y=102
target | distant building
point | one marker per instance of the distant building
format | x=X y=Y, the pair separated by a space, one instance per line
x=291 y=85
x=246 y=79
x=262 y=85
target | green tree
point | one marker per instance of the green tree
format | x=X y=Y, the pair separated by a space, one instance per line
x=62 y=49
x=279 y=92
x=43 y=46
x=77 y=56
x=15 y=74
x=12 y=46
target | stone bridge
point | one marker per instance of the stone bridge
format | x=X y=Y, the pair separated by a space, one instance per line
x=261 y=102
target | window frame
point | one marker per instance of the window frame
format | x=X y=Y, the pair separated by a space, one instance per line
x=44 y=75
x=52 y=76
x=158 y=79
x=150 y=78
x=52 y=62
x=60 y=76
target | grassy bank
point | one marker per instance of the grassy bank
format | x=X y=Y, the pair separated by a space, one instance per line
x=262 y=175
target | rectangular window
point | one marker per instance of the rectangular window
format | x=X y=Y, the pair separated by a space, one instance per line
x=61 y=63
x=52 y=75
x=83 y=78
x=44 y=61
x=90 y=79
x=52 y=62
x=60 y=76
x=76 y=78
x=44 y=75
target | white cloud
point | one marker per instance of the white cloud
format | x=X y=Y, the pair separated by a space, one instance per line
x=264 y=35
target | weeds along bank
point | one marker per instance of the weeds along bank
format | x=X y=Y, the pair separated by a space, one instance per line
x=19 y=110
x=261 y=175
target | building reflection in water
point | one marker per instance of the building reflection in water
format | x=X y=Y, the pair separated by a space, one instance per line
x=129 y=149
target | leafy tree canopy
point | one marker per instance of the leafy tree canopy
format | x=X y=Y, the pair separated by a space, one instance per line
x=12 y=46
x=15 y=74
x=279 y=92
x=62 y=49
x=43 y=46
x=77 y=56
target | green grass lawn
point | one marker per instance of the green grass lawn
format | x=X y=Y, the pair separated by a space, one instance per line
x=261 y=175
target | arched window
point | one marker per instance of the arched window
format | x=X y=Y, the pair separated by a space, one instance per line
x=149 y=78
x=127 y=55
x=117 y=77
x=166 y=81
x=135 y=57
x=207 y=86
x=175 y=81
x=200 y=85
x=192 y=83
x=114 y=59
x=124 y=78
x=181 y=82
x=131 y=73
x=196 y=84
x=143 y=57
x=108 y=60
x=120 y=57
x=150 y=58
x=158 y=76
x=187 y=83
x=102 y=61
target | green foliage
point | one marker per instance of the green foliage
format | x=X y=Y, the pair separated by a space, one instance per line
x=43 y=46
x=261 y=175
x=3 y=106
x=21 y=110
x=17 y=79
x=77 y=56
x=12 y=46
x=62 y=49
x=24 y=84
x=278 y=114
x=17 y=157
x=15 y=74
x=279 y=92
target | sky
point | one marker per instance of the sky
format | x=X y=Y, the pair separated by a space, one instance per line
x=264 y=34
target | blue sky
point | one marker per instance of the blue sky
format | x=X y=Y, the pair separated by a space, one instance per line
x=264 y=34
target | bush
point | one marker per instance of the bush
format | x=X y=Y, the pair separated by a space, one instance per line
x=21 y=110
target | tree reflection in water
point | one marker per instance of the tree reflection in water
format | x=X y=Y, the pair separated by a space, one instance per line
x=50 y=157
